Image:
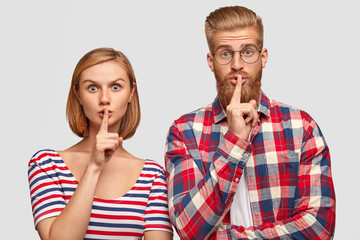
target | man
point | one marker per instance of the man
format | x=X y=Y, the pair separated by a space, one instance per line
x=246 y=166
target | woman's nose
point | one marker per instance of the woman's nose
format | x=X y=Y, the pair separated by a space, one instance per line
x=104 y=98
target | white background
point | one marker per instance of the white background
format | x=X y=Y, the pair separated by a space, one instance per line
x=313 y=64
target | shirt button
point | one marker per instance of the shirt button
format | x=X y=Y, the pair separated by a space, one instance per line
x=246 y=155
x=237 y=179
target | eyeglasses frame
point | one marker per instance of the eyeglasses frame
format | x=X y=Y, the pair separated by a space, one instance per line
x=232 y=56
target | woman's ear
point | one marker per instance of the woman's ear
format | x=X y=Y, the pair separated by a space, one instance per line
x=132 y=92
x=76 y=93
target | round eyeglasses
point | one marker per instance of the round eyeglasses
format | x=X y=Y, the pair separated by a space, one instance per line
x=249 y=54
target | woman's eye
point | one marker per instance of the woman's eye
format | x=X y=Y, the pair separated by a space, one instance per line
x=116 y=87
x=92 y=88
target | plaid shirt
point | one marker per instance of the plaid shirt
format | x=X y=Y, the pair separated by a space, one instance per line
x=288 y=175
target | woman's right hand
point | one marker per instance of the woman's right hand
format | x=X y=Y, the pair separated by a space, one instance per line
x=106 y=143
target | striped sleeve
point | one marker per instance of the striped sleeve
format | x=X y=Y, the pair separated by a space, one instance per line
x=47 y=198
x=157 y=214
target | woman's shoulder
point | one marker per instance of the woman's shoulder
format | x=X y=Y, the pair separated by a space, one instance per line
x=45 y=156
x=154 y=166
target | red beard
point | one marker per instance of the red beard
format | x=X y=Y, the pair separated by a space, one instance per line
x=250 y=90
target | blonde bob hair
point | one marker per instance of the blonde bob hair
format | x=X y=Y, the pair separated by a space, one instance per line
x=231 y=18
x=74 y=111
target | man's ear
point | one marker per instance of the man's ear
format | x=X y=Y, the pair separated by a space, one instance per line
x=210 y=60
x=264 y=57
x=77 y=94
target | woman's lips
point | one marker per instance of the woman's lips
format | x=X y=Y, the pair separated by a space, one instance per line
x=101 y=114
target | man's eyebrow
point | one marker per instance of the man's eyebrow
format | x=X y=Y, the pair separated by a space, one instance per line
x=241 y=47
x=223 y=46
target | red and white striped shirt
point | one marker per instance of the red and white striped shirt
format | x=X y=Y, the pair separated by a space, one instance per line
x=141 y=209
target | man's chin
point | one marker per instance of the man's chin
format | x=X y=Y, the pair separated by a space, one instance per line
x=251 y=92
x=248 y=92
x=225 y=93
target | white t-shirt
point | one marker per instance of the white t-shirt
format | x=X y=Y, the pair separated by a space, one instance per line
x=240 y=212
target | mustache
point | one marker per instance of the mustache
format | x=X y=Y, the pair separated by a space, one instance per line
x=242 y=73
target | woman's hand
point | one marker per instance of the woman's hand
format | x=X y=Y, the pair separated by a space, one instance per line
x=106 y=143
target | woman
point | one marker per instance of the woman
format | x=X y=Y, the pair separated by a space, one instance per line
x=96 y=189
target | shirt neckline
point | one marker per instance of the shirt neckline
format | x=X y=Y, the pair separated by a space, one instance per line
x=220 y=113
x=95 y=197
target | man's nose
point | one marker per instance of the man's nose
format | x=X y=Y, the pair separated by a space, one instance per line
x=237 y=63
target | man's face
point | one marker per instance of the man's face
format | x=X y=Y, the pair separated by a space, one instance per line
x=226 y=75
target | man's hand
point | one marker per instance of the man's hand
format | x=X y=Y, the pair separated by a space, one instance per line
x=241 y=117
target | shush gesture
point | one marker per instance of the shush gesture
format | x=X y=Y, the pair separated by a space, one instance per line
x=106 y=143
x=241 y=117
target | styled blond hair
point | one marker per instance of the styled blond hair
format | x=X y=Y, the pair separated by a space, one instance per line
x=231 y=18
x=74 y=111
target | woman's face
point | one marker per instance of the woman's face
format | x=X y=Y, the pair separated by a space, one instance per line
x=104 y=85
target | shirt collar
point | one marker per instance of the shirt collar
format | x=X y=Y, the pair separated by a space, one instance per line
x=220 y=113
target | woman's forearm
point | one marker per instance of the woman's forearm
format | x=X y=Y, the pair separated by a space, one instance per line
x=73 y=221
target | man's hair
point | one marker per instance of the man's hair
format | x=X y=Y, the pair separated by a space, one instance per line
x=74 y=111
x=231 y=18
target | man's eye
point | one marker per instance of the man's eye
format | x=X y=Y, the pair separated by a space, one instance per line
x=92 y=88
x=248 y=52
x=225 y=54
x=116 y=87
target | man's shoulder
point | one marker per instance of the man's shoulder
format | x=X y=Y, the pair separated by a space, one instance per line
x=284 y=106
x=287 y=111
x=195 y=115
